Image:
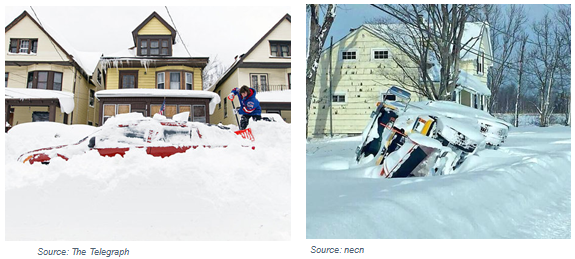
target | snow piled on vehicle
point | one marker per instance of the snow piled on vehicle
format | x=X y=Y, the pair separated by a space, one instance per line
x=232 y=193
x=521 y=190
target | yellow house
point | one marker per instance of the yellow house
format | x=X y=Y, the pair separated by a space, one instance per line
x=358 y=62
x=157 y=70
x=266 y=67
x=45 y=78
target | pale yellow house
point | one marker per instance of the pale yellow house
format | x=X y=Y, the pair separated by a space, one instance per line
x=45 y=78
x=358 y=62
x=266 y=67
x=156 y=70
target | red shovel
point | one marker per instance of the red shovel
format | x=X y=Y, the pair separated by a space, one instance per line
x=246 y=133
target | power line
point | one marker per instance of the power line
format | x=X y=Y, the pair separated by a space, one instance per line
x=179 y=34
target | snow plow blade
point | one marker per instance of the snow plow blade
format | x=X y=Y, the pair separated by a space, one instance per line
x=246 y=134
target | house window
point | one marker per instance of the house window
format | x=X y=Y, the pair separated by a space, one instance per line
x=199 y=113
x=349 y=55
x=154 y=46
x=91 y=98
x=40 y=116
x=185 y=108
x=6 y=77
x=23 y=46
x=99 y=76
x=175 y=80
x=189 y=79
x=109 y=111
x=57 y=81
x=45 y=80
x=164 y=50
x=220 y=104
x=338 y=98
x=380 y=54
x=480 y=62
x=225 y=108
x=128 y=79
x=169 y=111
x=280 y=49
x=259 y=82
x=160 y=80
x=42 y=80
x=289 y=81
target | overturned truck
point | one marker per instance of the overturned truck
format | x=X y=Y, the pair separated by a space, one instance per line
x=407 y=139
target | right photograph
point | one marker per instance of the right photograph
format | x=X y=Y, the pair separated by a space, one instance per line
x=432 y=121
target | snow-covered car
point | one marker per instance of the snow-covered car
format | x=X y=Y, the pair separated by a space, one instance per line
x=158 y=136
x=449 y=131
x=271 y=117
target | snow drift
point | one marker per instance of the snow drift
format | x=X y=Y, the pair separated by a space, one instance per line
x=203 y=194
x=521 y=190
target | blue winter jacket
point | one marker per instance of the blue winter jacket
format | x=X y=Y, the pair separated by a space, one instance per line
x=249 y=105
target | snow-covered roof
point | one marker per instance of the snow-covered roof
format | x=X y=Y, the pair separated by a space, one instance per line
x=66 y=99
x=465 y=79
x=473 y=32
x=86 y=60
x=468 y=81
x=214 y=98
x=274 y=96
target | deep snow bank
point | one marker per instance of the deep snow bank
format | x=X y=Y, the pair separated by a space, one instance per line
x=522 y=190
x=232 y=193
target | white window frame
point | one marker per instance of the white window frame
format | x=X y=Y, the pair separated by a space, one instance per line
x=179 y=82
x=344 y=94
x=186 y=80
x=158 y=80
x=22 y=49
x=380 y=49
x=91 y=98
x=349 y=60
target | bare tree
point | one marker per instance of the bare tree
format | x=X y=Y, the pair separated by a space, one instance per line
x=317 y=36
x=522 y=50
x=505 y=27
x=212 y=72
x=545 y=62
x=427 y=35
x=564 y=21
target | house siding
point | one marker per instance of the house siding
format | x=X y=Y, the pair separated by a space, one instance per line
x=226 y=88
x=27 y=29
x=360 y=80
x=154 y=27
x=262 y=52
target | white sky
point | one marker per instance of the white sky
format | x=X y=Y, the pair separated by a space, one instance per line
x=225 y=31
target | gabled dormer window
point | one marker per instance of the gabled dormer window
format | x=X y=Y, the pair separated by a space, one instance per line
x=154 y=46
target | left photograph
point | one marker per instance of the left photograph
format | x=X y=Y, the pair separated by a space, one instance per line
x=147 y=123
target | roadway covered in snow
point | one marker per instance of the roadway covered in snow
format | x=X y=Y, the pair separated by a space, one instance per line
x=521 y=190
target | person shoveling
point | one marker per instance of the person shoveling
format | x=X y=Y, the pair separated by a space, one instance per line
x=249 y=107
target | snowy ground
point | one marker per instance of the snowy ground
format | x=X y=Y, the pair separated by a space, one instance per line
x=204 y=194
x=522 y=190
